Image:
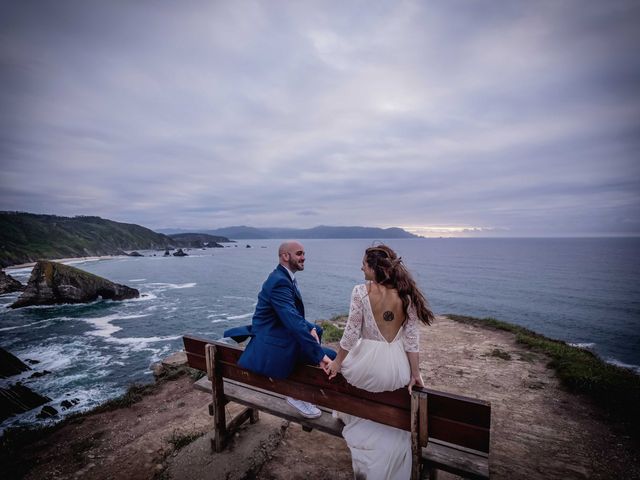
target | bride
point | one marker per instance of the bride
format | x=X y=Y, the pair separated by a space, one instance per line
x=378 y=352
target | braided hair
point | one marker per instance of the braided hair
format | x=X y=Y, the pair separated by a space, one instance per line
x=391 y=272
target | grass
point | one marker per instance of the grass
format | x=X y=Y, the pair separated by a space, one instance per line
x=616 y=390
x=332 y=333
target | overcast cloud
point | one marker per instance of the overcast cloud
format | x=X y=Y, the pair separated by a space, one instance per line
x=508 y=117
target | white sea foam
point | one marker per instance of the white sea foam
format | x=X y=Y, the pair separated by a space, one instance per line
x=144 y=297
x=588 y=346
x=617 y=363
x=103 y=325
x=234 y=297
x=158 y=355
x=53 y=357
x=48 y=320
x=137 y=280
x=137 y=344
x=236 y=317
x=220 y=320
x=159 y=286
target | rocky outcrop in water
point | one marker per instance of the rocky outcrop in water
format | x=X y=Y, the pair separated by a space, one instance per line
x=9 y=284
x=16 y=398
x=11 y=365
x=54 y=283
x=19 y=399
x=180 y=253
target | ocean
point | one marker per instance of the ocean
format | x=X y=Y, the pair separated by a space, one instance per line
x=584 y=291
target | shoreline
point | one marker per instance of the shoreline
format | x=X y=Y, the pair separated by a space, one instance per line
x=66 y=260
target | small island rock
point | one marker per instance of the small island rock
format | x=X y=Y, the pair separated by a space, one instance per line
x=47 y=412
x=180 y=253
x=135 y=254
x=54 y=283
x=9 y=284
x=19 y=399
x=10 y=364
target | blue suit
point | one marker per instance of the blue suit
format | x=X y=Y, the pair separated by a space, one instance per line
x=279 y=332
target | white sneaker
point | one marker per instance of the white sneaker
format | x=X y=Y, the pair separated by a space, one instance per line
x=306 y=409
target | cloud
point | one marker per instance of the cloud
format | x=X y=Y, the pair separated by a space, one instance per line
x=510 y=117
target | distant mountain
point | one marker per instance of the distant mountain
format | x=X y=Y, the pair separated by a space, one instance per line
x=27 y=237
x=322 y=231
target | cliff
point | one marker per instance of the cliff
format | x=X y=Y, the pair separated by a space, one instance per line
x=28 y=237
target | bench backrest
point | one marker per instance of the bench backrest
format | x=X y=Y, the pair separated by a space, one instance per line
x=454 y=419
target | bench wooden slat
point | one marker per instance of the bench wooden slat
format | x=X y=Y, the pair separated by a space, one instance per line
x=277 y=405
x=310 y=375
x=470 y=436
x=458 y=462
x=379 y=412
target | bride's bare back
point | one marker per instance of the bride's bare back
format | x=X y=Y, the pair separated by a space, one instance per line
x=386 y=306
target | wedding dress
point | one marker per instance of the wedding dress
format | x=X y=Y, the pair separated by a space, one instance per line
x=378 y=452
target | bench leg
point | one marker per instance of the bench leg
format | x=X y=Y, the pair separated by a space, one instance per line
x=219 y=414
x=254 y=415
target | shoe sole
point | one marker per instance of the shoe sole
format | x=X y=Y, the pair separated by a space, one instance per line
x=305 y=415
x=310 y=416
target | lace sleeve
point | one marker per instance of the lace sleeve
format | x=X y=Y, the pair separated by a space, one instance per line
x=354 y=323
x=412 y=332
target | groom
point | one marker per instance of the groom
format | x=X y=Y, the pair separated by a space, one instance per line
x=280 y=335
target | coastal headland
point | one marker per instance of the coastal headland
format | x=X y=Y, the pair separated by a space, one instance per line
x=539 y=428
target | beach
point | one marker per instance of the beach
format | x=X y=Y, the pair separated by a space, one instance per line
x=539 y=429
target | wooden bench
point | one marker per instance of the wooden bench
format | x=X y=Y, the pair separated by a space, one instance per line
x=448 y=432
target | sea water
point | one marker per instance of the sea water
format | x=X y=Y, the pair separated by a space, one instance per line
x=583 y=291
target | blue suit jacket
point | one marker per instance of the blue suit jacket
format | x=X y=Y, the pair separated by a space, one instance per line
x=279 y=332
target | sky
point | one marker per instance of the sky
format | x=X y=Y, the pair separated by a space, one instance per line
x=444 y=117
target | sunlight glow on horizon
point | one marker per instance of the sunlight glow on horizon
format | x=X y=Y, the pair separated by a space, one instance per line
x=446 y=230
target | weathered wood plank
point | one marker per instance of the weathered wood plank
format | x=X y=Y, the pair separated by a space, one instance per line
x=458 y=462
x=423 y=421
x=219 y=414
x=382 y=413
x=277 y=405
x=415 y=428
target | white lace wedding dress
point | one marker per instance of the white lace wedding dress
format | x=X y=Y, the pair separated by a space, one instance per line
x=378 y=452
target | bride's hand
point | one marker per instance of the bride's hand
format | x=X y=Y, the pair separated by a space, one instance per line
x=415 y=380
x=333 y=369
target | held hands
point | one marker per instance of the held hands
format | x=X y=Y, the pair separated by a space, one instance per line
x=333 y=369
x=324 y=363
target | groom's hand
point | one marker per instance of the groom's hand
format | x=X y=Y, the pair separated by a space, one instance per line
x=324 y=364
x=314 y=334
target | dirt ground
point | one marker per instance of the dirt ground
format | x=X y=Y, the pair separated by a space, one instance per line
x=538 y=429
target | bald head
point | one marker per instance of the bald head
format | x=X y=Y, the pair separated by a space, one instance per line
x=291 y=255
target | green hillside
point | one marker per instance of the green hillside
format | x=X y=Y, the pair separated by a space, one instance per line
x=27 y=237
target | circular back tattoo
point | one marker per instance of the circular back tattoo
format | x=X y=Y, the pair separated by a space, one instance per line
x=388 y=316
